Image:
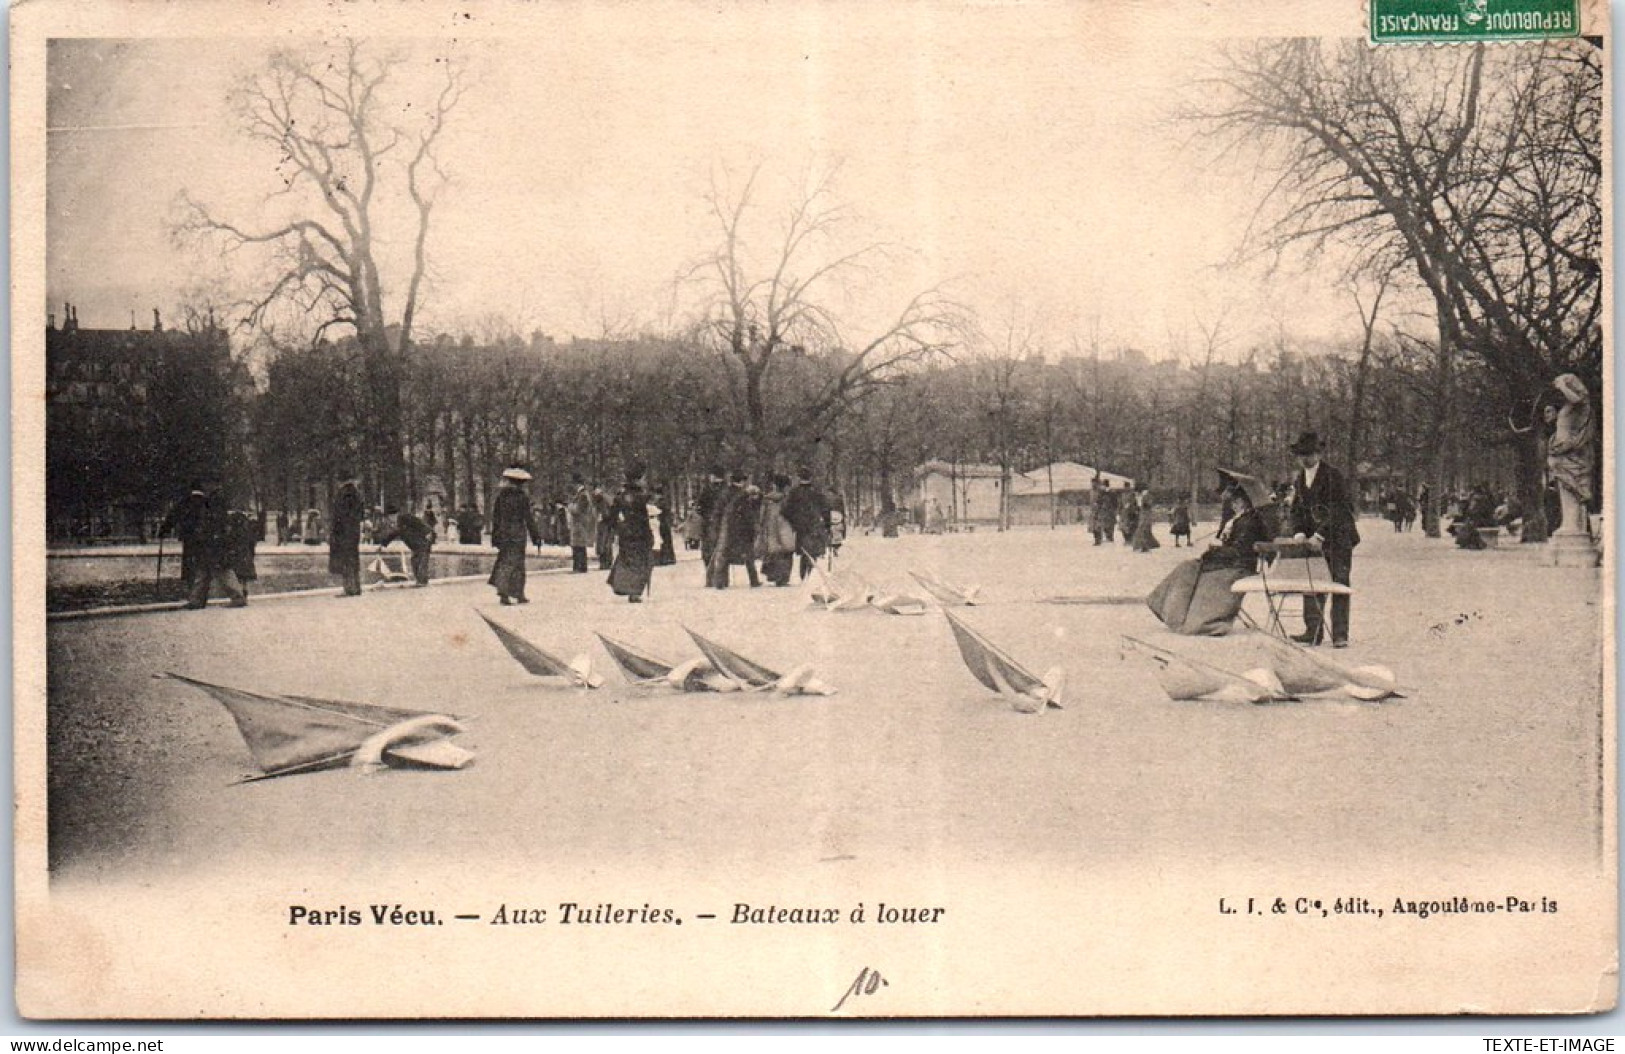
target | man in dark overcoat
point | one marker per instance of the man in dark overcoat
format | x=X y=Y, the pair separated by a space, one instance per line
x=513 y=526
x=344 y=537
x=1322 y=508
x=737 y=542
x=710 y=505
x=809 y=514
x=212 y=554
x=185 y=519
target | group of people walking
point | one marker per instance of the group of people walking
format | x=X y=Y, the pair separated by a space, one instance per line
x=217 y=545
x=1130 y=509
x=739 y=523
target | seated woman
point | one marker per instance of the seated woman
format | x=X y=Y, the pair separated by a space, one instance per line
x=1254 y=521
x=1196 y=599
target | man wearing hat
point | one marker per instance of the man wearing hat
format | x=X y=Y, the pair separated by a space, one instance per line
x=186 y=520
x=512 y=527
x=344 y=536
x=583 y=523
x=1322 y=508
x=808 y=512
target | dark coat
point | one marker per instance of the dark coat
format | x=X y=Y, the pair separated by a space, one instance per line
x=415 y=532
x=1181 y=520
x=629 y=518
x=1325 y=509
x=808 y=512
x=711 y=504
x=242 y=534
x=185 y=518
x=1238 y=539
x=512 y=522
x=739 y=517
x=344 y=537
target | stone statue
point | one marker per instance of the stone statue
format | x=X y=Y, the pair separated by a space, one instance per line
x=1569 y=456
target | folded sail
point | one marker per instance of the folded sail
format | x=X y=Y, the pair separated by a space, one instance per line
x=637 y=665
x=731 y=664
x=287 y=734
x=988 y=664
x=538 y=662
x=1301 y=672
x=1304 y=672
x=1185 y=678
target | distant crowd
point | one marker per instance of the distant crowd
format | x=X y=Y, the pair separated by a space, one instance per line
x=629 y=529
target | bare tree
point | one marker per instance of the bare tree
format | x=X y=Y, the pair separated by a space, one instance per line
x=343 y=149
x=1481 y=170
x=792 y=366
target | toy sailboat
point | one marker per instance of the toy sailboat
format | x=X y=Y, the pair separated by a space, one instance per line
x=946 y=593
x=641 y=668
x=1186 y=679
x=1002 y=674
x=753 y=676
x=538 y=663
x=290 y=734
x=1303 y=672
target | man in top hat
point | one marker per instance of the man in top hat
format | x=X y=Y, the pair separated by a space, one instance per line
x=513 y=526
x=1322 y=508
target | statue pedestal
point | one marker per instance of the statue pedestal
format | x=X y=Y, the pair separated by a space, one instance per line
x=1570 y=549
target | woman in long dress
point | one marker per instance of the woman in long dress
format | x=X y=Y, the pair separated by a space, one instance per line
x=1145 y=539
x=634 y=540
x=513 y=526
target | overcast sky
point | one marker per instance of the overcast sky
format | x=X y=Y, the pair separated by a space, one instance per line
x=1020 y=155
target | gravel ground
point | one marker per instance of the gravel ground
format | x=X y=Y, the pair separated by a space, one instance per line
x=1496 y=748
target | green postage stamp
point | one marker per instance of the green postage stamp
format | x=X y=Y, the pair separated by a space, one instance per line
x=1451 y=21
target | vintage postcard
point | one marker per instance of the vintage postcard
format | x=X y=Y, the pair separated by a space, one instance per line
x=813 y=509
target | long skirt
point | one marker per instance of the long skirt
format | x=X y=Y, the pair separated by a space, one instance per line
x=630 y=575
x=1196 y=600
x=1145 y=539
x=508 y=574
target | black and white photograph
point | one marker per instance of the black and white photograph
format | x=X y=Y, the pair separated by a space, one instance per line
x=812 y=509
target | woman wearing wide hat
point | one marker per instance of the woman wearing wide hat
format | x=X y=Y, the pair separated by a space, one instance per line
x=513 y=526
x=1321 y=507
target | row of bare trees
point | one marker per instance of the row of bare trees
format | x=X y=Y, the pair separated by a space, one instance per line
x=597 y=406
x=1470 y=175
